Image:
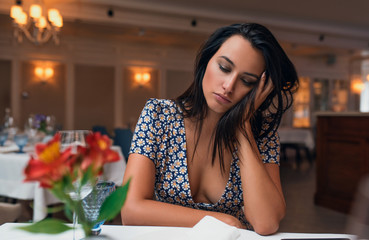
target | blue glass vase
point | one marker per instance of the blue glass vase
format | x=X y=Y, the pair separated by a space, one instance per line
x=92 y=203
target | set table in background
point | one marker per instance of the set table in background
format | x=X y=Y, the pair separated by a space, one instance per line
x=12 y=185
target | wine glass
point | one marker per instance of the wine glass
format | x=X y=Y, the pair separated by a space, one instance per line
x=92 y=203
x=31 y=128
x=50 y=124
x=3 y=137
x=21 y=140
x=75 y=138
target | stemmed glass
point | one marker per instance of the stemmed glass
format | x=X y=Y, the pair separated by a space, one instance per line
x=21 y=141
x=31 y=128
x=92 y=203
x=3 y=137
x=75 y=138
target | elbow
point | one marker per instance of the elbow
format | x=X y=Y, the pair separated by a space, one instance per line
x=268 y=226
x=266 y=229
x=129 y=214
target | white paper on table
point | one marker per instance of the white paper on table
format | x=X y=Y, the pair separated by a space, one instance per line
x=206 y=228
x=212 y=228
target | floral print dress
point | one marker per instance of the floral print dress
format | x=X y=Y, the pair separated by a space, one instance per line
x=160 y=136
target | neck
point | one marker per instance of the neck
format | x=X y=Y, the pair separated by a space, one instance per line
x=210 y=122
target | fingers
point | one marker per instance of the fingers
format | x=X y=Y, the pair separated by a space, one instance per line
x=264 y=89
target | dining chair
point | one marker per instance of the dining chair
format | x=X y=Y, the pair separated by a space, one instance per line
x=123 y=138
x=9 y=212
x=101 y=129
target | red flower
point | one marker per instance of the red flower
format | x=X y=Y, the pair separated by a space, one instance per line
x=97 y=153
x=50 y=165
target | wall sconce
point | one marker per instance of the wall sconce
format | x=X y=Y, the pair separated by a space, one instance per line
x=44 y=73
x=357 y=85
x=142 y=78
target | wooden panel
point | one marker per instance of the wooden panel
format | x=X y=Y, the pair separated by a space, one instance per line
x=342 y=159
x=135 y=96
x=43 y=98
x=347 y=125
x=5 y=79
x=177 y=82
x=94 y=97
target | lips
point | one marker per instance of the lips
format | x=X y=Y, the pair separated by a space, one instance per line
x=222 y=99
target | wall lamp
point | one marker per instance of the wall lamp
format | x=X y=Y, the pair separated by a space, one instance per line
x=142 y=78
x=44 y=73
x=357 y=85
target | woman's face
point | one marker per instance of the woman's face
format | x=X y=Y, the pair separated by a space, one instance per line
x=231 y=73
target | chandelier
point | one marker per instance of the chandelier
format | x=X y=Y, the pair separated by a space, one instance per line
x=35 y=26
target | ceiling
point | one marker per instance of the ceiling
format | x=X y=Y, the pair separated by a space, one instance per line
x=314 y=27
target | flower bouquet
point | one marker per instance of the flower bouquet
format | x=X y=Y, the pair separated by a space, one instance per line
x=67 y=174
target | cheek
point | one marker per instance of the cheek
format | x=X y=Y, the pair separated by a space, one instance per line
x=210 y=75
x=243 y=91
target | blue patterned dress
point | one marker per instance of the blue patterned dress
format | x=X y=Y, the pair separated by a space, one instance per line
x=160 y=135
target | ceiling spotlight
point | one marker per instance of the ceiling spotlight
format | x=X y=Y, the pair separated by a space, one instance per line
x=141 y=32
x=110 y=12
x=321 y=37
x=194 y=23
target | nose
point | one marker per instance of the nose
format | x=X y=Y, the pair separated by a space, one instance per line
x=229 y=84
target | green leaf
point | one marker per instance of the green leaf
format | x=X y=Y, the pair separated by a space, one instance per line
x=49 y=226
x=68 y=213
x=87 y=176
x=114 y=203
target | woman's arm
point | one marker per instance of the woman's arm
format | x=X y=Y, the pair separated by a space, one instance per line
x=141 y=209
x=262 y=192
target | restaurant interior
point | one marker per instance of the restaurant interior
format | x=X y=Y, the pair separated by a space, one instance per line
x=96 y=62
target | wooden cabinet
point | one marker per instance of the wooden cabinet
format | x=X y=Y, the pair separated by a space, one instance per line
x=342 y=147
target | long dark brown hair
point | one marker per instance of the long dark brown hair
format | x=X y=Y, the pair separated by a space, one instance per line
x=278 y=68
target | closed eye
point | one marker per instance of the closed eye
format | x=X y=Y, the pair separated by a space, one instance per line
x=224 y=69
x=248 y=82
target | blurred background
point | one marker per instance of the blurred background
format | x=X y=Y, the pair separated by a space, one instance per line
x=102 y=46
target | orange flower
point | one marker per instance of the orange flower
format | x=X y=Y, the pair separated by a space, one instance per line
x=50 y=165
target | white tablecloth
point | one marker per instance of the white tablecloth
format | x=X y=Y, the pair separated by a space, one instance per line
x=11 y=181
x=297 y=136
x=8 y=231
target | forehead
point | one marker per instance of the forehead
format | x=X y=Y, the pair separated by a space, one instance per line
x=240 y=50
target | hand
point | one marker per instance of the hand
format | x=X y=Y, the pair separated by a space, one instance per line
x=230 y=220
x=264 y=89
x=262 y=92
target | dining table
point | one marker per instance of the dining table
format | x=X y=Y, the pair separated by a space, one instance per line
x=10 y=231
x=299 y=139
x=12 y=183
x=302 y=136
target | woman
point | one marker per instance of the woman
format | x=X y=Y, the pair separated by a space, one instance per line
x=215 y=150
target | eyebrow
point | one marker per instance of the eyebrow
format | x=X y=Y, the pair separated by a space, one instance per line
x=247 y=73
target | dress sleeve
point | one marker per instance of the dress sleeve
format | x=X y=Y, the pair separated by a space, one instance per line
x=144 y=139
x=269 y=146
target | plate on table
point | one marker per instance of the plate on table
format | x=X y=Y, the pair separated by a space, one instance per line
x=9 y=147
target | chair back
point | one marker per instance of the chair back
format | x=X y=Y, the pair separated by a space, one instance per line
x=123 y=138
x=101 y=129
x=9 y=212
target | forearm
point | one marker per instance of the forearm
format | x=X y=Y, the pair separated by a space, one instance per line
x=155 y=213
x=263 y=198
